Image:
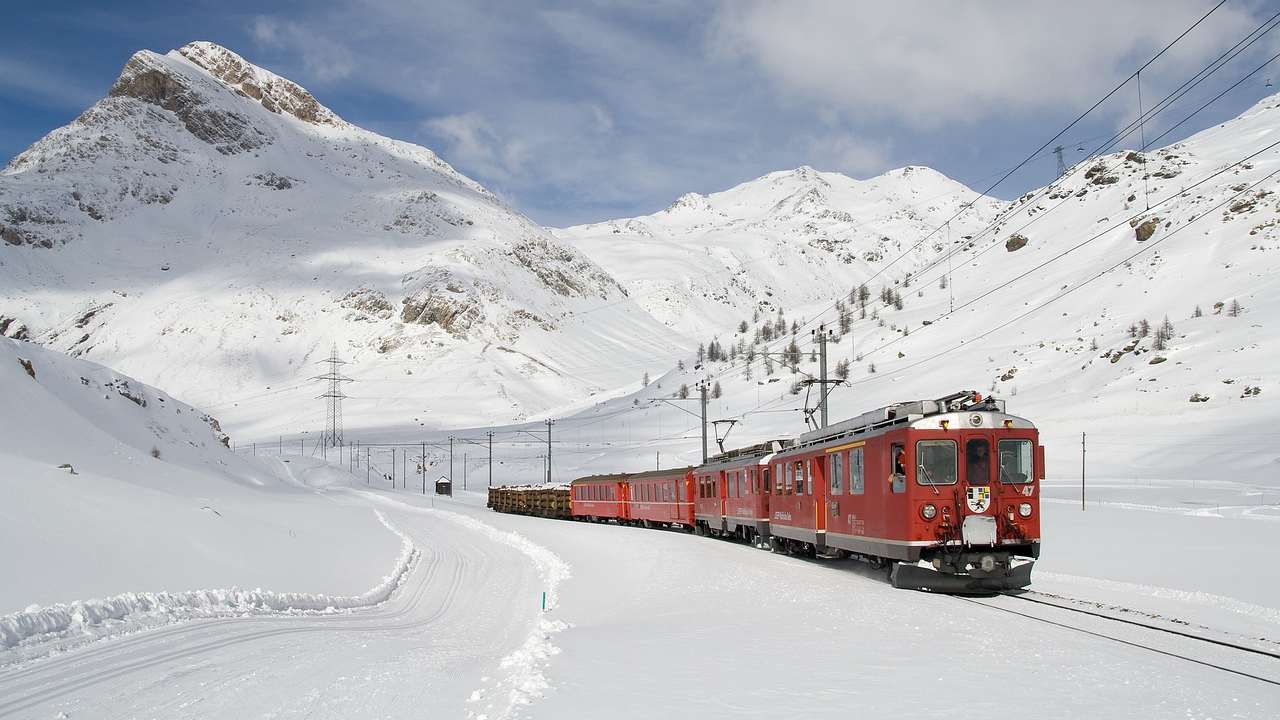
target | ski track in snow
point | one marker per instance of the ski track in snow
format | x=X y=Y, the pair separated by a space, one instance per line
x=36 y=631
x=523 y=671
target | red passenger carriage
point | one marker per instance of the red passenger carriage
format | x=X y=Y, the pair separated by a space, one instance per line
x=599 y=497
x=661 y=497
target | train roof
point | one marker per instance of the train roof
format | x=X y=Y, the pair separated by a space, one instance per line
x=958 y=409
x=749 y=452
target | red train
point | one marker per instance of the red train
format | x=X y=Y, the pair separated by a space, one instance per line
x=944 y=492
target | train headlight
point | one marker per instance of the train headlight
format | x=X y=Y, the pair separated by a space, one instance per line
x=929 y=512
x=1024 y=510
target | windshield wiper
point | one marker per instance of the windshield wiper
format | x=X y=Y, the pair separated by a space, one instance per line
x=929 y=476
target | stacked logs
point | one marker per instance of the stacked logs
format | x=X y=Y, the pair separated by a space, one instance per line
x=537 y=500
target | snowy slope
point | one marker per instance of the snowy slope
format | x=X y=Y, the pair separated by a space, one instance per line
x=209 y=227
x=110 y=487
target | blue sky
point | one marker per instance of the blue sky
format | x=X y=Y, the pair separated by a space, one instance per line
x=588 y=110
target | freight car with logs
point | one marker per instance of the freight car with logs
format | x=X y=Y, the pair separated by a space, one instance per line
x=943 y=493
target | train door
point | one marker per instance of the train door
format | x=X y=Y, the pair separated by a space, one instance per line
x=818 y=474
x=979 y=491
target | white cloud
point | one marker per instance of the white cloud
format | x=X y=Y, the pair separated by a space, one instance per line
x=473 y=143
x=931 y=63
x=324 y=60
x=849 y=154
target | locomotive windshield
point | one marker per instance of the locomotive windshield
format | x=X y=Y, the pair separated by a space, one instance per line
x=977 y=463
x=936 y=462
x=1015 y=461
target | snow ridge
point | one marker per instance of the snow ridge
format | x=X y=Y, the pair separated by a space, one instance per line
x=95 y=619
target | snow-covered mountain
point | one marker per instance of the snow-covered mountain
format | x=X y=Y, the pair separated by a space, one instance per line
x=211 y=228
x=787 y=240
x=1055 y=302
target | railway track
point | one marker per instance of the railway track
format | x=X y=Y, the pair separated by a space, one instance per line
x=1030 y=600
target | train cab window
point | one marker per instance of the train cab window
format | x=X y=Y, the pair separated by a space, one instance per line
x=835 y=473
x=977 y=461
x=936 y=462
x=857 y=484
x=898 y=463
x=779 y=479
x=1015 y=461
x=799 y=476
x=765 y=481
x=811 y=468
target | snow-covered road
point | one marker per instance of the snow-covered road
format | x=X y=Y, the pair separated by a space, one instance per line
x=642 y=623
x=464 y=607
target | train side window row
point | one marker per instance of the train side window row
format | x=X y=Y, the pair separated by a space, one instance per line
x=594 y=492
x=743 y=483
x=846 y=471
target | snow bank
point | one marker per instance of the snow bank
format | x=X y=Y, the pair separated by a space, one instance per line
x=98 y=618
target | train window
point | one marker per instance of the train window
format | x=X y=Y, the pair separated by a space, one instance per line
x=739 y=476
x=977 y=461
x=732 y=479
x=1015 y=461
x=799 y=466
x=856 y=484
x=835 y=473
x=936 y=462
x=778 y=479
x=765 y=481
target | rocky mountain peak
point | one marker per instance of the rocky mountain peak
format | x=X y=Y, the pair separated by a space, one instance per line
x=277 y=94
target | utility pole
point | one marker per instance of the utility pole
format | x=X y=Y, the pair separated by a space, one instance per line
x=423 y=467
x=657 y=460
x=366 y=466
x=450 y=461
x=333 y=396
x=490 y=458
x=393 y=468
x=464 y=471
x=702 y=394
x=822 y=335
x=549 y=423
x=1062 y=165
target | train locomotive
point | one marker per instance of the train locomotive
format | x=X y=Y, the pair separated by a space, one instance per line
x=944 y=494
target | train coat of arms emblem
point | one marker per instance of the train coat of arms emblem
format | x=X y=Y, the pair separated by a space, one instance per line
x=978 y=498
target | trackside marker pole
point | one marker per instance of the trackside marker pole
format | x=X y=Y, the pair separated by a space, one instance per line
x=1082 y=472
x=544 y=601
